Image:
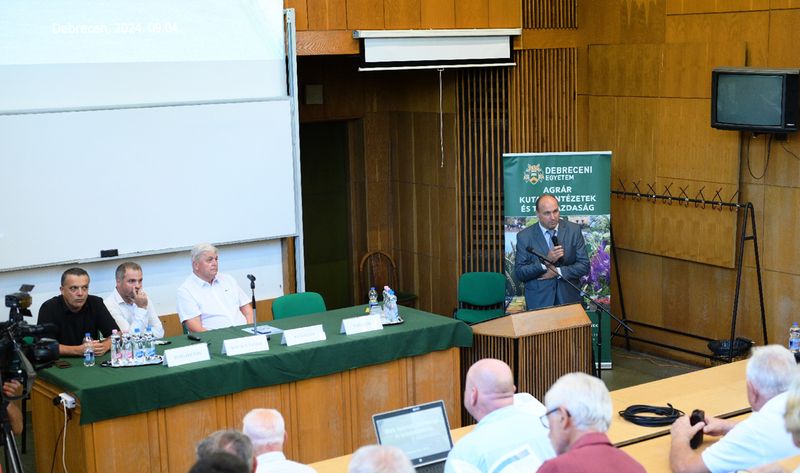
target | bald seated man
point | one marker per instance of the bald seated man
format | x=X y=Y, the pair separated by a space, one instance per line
x=506 y=433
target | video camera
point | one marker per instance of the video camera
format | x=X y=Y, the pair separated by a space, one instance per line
x=15 y=354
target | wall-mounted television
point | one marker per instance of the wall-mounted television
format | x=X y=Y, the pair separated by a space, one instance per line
x=758 y=100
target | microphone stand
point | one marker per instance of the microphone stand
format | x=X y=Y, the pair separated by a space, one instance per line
x=253 y=303
x=598 y=367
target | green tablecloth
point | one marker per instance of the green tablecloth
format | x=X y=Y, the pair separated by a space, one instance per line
x=105 y=393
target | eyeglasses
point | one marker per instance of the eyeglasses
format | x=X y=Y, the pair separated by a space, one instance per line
x=545 y=418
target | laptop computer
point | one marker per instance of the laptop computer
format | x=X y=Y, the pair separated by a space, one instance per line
x=422 y=432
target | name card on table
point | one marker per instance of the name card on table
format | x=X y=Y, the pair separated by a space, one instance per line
x=298 y=336
x=365 y=323
x=185 y=355
x=243 y=345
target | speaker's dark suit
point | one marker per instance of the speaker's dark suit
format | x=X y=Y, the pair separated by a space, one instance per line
x=549 y=292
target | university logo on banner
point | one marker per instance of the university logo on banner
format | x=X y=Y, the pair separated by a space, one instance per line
x=582 y=184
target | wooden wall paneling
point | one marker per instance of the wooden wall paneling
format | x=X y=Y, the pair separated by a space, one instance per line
x=642 y=22
x=706 y=6
x=386 y=384
x=642 y=288
x=377 y=147
x=687 y=147
x=733 y=29
x=542 y=88
x=625 y=69
x=780 y=297
x=427 y=155
x=549 y=14
x=320 y=43
x=132 y=453
x=327 y=14
x=365 y=15
x=783 y=52
x=402 y=14
x=783 y=169
x=781 y=232
x=688 y=66
x=472 y=13
x=357 y=190
x=505 y=14
x=300 y=13
x=289 y=267
x=698 y=298
x=437 y=13
x=748 y=319
x=322 y=400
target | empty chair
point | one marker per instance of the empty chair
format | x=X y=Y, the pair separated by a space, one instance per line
x=377 y=269
x=481 y=296
x=301 y=303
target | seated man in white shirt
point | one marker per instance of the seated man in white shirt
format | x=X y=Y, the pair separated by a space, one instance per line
x=208 y=299
x=757 y=440
x=267 y=431
x=129 y=304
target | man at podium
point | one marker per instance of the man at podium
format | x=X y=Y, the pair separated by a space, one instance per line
x=560 y=242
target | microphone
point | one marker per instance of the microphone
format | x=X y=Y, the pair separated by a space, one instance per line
x=251 y=278
x=555 y=243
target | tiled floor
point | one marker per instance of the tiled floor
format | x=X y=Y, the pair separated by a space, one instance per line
x=629 y=369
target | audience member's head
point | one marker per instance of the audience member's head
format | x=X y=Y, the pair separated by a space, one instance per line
x=220 y=462
x=266 y=430
x=792 y=415
x=380 y=459
x=576 y=404
x=75 y=288
x=770 y=370
x=489 y=386
x=205 y=261
x=230 y=441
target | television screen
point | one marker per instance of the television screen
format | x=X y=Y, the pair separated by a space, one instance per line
x=763 y=100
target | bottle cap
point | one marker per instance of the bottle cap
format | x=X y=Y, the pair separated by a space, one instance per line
x=87 y=334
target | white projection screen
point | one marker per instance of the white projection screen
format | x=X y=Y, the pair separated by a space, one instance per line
x=142 y=126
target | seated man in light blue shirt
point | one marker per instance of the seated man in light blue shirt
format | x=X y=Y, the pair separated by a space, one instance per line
x=129 y=305
x=508 y=437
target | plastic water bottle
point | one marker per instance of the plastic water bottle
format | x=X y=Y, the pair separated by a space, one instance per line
x=88 y=350
x=126 y=354
x=390 y=307
x=149 y=344
x=794 y=338
x=138 y=347
x=373 y=300
x=116 y=348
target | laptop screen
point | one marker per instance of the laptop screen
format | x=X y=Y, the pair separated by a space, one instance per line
x=422 y=432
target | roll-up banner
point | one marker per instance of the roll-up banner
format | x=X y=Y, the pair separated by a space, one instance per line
x=581 y=181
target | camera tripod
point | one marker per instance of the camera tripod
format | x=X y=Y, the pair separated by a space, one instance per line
x=9 y=441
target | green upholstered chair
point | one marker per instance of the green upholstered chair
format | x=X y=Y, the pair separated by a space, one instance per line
x=301 y=303
x=481 y=296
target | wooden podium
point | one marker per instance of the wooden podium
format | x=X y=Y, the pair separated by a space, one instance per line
x=538 y=345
